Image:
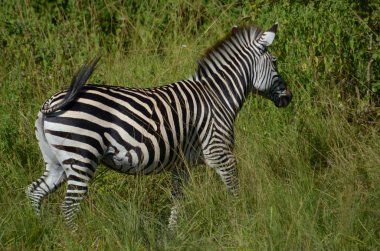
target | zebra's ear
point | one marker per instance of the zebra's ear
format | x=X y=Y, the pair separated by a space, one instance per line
x=267 y=37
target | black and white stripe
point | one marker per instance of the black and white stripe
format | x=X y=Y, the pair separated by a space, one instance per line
x=145 y=131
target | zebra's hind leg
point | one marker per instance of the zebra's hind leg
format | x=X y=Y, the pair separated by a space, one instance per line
x=79 y=175
x=52 y=178
x=54 y=174
x=179 y=177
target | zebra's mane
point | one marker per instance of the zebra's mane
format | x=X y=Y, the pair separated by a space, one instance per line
x=244 y=34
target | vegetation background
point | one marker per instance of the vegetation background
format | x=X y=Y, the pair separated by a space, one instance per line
x=309 y=173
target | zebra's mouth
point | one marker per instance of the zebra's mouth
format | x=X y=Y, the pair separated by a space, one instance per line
x=283 y=99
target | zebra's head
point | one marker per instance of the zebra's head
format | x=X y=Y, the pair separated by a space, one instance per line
x=267 y=81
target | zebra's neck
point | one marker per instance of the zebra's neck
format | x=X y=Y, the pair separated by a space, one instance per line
x=228 y=86
x=227 y=68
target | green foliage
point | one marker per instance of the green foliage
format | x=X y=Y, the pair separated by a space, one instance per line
x=309 y=173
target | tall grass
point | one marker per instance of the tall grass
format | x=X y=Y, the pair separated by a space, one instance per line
x=309 y=173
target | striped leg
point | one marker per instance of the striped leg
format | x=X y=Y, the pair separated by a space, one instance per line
x=179 y=177
x=79 y=176
x=47 y=183
x=224 y=164
x=54 y=174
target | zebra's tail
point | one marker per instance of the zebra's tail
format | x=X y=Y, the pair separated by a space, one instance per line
x=78 y=81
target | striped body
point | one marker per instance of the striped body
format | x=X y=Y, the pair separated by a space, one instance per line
x=145 y=131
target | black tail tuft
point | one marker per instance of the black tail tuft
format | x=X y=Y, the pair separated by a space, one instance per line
x=78 y=81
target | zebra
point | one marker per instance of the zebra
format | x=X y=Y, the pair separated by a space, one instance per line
x=141 y=131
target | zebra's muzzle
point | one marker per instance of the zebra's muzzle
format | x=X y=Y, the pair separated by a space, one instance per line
x=283 y=99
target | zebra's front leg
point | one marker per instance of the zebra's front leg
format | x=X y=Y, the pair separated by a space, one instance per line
x=78 y=180
x=224 y=164
x=179 y=177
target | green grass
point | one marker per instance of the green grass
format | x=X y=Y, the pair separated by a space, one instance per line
x=309 y=173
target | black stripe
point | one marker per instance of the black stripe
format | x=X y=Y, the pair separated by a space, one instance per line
x=109 y=117
x=83 y=152
x=78 y=163
x=78 y=137
x=84 y=173
x=88 y=125
x=170 y=134
x=137 y=93
x=77 y=179
x=122 y=109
